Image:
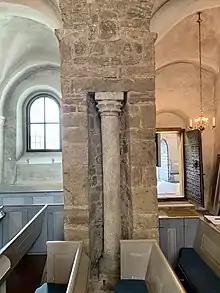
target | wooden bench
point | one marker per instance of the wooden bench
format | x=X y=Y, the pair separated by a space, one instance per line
x=144 y=268
x=18 y=246
x=67 y=268
x=199 y=267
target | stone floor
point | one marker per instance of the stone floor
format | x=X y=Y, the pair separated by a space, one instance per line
x=168 y=189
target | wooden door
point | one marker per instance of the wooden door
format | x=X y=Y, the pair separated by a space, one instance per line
x=193 y=171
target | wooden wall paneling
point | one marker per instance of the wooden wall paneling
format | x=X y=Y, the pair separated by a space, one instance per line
x=171 y=237
x=15 y=223
x=190 y=228
x=18 y=216
x=39 y=246
x=1 y=233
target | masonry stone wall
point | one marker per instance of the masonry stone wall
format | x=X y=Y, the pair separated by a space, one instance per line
x=106 y=48
x=107 y=45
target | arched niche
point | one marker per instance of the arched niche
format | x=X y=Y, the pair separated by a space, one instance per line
x=168 y=119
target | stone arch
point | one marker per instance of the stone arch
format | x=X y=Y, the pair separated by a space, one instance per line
x=43 y=11
x=19 y=77
x=171 y=118
x=195 y=63
x=172 y=12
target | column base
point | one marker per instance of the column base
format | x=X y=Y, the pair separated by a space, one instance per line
x=109 y=272
x=97 y=287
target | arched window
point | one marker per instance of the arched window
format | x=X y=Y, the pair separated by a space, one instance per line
x=43 y=124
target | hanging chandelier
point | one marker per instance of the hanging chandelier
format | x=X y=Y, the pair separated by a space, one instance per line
x=201 y=122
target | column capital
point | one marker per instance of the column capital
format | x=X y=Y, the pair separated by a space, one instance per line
x=2 y=121
x=109 y=103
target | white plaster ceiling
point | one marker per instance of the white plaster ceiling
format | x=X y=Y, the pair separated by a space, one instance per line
x=177 y=66
x=44 y=11
x=169 y=13
x=181 y=43
x=27 y=41
x=24 y=43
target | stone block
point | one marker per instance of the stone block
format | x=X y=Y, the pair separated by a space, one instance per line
x=146 y=234
x=141 y=133
x=97 y=48
x=75 y=134
x=74 y=154
x=75 y=177
x=142 y=153
x=74 y=119
x=142 y=97
x=145 y=221
x=125 y=84
x=139 y=71
x=76 y=233
x=142 y=115
x=75 y=197
x=76 y=216
x=108 y=30
x=74 y=12
x=143 y=176
x=144 y=200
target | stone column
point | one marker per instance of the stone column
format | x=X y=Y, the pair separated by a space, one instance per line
x=109 y=105
x=2 y=123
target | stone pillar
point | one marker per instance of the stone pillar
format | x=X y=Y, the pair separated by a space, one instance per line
x=107 y=46
x=2 y=123
x=75 y=164
x=141 y=111
x=109 y=105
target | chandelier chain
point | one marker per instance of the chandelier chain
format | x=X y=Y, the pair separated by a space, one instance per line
x=200 y=62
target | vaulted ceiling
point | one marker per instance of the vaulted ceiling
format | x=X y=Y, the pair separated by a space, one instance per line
x=27 y=34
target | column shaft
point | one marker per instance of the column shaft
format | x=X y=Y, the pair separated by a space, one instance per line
x=109 y=105
x=111 y=184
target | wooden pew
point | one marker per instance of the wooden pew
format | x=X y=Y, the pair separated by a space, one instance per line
x=144 y=268
x=19 y=245
x=67 y=267
x=199 y=267
x=5 y=266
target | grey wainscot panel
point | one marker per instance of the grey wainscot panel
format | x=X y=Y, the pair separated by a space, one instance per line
x=176 y=233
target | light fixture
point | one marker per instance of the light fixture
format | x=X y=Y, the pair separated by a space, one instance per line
x=201 y=122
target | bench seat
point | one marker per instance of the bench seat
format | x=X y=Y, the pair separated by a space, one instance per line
x=195 y=273
x=131 y=286
x=52 y=288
